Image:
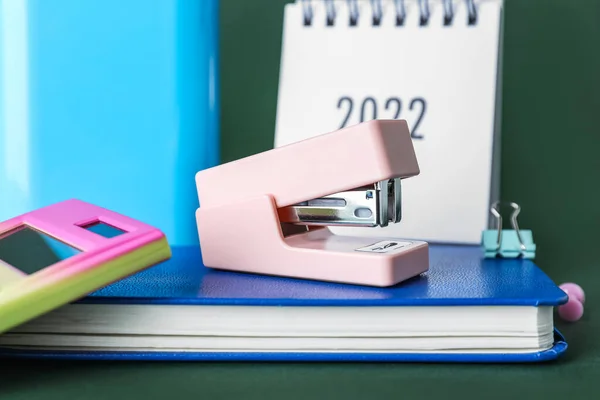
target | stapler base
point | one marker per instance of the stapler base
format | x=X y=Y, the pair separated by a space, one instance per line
x=259 y=246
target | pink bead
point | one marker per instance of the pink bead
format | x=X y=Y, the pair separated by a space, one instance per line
x=572 y=311
x=574 y=290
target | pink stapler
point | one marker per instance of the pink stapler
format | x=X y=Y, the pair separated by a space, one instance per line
x=269 y=213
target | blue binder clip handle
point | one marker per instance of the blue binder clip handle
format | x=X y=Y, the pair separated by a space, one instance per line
x=508 y=243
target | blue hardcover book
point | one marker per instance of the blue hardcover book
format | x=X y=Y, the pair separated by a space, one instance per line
x=464 y=309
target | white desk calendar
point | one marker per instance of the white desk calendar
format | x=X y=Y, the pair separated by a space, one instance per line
x=435 y=64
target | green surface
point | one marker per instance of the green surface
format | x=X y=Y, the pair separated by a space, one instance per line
x=550 y=164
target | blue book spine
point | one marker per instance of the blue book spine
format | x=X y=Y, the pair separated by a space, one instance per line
x=112 y=102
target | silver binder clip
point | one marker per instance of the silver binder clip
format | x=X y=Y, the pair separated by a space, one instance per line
x=508 y=243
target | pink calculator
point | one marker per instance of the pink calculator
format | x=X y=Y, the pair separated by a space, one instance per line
x=60 y=253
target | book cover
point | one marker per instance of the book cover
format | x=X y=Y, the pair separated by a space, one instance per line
x=458 y=276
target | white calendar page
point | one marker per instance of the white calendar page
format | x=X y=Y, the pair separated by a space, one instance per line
x=444 y=80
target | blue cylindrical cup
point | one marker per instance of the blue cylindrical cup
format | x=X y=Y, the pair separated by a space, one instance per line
x=114 y=102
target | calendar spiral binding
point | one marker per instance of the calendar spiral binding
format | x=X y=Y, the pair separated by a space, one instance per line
x=377 y=11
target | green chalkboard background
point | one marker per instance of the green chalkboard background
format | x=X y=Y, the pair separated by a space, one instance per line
x=550 y=166
x=550 y=109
